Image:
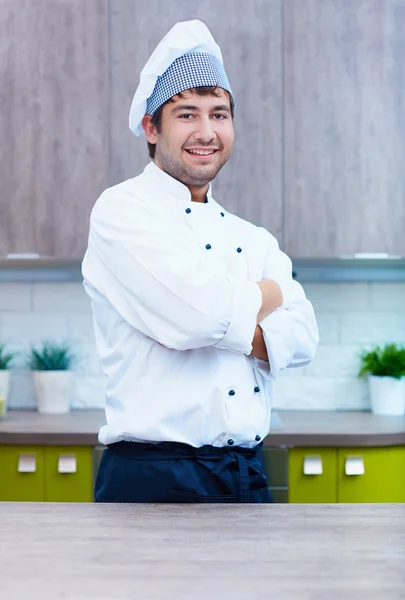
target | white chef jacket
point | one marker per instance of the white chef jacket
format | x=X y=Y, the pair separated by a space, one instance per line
x=174 y=299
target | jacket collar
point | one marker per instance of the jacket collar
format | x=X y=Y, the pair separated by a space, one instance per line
x=163 y=182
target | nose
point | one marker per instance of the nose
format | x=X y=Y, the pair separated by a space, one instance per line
x=205 y=131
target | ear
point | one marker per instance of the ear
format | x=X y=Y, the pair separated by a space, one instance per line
x=149 y=129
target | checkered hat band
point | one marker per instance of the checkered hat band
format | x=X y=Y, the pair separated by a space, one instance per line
x=186 y=72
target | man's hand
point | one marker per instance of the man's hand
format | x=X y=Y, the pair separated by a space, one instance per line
x=272 y=298
x=258 y=346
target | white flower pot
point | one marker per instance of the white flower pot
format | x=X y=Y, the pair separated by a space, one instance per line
x=4 y=389
x=387 y=395
x=53 y=390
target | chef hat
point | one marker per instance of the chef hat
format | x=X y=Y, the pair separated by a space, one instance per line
x=187 y=57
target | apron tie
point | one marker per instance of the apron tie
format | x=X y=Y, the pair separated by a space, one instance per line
x=232 y=457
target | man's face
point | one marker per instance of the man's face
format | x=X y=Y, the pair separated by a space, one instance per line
x=196 y=137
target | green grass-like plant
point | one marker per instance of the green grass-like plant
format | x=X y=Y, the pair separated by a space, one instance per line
x=385 y=361
x=51 y=357
x=5 y=359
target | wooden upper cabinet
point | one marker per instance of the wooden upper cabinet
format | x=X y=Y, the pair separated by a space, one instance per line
x=344 y=127
x=53 y=123
x=251 y=40
x=320 y=130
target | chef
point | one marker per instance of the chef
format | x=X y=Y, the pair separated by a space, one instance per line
x=195 y=310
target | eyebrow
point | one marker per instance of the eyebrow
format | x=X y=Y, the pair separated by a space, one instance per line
x=220 y=107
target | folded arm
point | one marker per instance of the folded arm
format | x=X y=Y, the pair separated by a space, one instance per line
x=290 y=333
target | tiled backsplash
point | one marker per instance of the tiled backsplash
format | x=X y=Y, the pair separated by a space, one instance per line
x=350 y=316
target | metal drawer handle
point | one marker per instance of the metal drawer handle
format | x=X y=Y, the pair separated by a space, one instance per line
x=27 y=463
x=313 y=465
x=67 y=463
x=354 y=465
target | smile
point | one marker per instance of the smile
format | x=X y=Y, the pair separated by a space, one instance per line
x=202 y=152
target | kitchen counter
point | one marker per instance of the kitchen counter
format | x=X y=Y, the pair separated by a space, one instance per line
x=121 y=552
x=299 y=428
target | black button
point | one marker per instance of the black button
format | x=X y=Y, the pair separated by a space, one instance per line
x=231 y=392
x=188 y=210
x=222 y=214
x=258 y=438
x=257 y=389
x=239 y=250
x=231 y=442
x=208 y=246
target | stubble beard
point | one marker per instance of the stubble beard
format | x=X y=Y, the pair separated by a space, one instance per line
x=186 y=174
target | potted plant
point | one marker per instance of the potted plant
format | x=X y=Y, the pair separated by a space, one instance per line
x=385 y=369
x=5 y=360
x=53 y=378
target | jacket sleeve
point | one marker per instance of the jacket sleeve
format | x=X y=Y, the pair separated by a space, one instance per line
x=290 y=332
x=160 y=284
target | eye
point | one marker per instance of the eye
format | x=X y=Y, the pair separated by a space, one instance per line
x=219 y=116
x=186 y=116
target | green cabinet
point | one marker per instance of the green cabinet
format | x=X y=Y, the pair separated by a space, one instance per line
x=296 y=475
x=46 y=473
x=312 y=475
x=371 y=474
x=22 y=474
x=346 y=475
x=68 y=474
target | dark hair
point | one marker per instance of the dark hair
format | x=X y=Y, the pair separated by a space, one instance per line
x=201 y=91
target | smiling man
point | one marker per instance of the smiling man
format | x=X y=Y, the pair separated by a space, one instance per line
x=195 y=310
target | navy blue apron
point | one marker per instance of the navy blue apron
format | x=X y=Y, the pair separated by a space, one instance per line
x=175 y=472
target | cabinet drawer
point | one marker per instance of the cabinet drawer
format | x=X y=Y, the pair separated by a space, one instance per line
x=68 y=474
x=21 y=474
x=371 y=474
x=312 y=475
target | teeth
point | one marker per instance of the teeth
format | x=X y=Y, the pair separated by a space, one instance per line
x=201 y=152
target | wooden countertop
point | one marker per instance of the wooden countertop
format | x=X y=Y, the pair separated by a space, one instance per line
x=220 y=551
x=340 y=429
x=300 y=428
x=78 y=427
